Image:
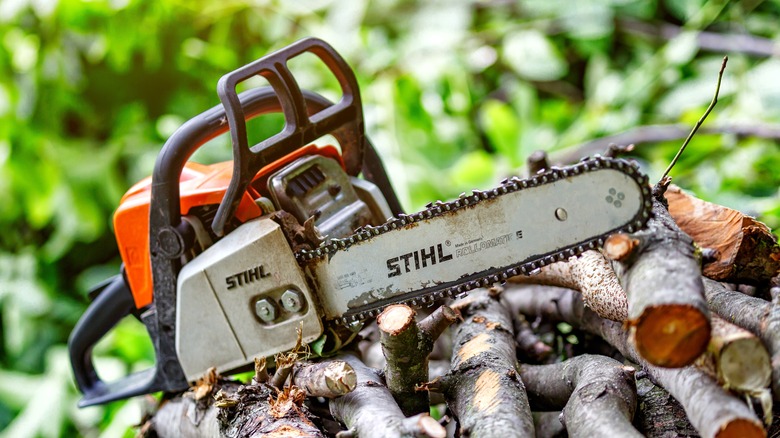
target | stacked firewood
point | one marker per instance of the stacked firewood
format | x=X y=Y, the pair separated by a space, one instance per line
x=669 y=331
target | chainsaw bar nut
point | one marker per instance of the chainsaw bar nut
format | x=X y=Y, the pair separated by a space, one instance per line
x=265 y=309
x=292 y=301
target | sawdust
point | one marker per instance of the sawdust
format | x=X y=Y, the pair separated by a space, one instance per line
x=205 y=384
x=288 y=401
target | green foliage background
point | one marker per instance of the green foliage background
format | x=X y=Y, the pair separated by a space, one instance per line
x=457 y=93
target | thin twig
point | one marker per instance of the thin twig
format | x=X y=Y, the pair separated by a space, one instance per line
x=701 y=120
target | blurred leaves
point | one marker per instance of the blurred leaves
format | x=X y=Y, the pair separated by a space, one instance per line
x=456 y=94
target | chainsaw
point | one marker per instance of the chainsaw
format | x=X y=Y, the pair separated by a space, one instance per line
x=290 y=240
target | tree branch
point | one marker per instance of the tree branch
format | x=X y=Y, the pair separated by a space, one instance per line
x=667 y=311
x=371 y=412
x=406 y=346
x=482 y=388
x=597 y=394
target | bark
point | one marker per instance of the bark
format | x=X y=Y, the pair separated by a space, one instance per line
x=482 y=388
x=283 y=370
x=597 y=394
x=371 y=412
x=659 y=414
x=741 y=361
x=235 y=411
x=261 y=371
x=548 y=425
x=746 y=251
x=590 y=274
x=754 y=314
x=667 y=310
x=406 y=346
x=181 y=417
x=329 y=379
x=710 y=409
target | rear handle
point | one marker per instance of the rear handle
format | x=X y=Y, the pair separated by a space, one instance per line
x=111 y=304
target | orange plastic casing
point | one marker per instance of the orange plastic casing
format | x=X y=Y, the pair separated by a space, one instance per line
x=199 y=185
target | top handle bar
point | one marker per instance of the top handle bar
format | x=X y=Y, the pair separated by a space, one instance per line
x=301 y=128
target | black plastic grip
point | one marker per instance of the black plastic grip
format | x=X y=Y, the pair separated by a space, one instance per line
x=302 y=126
x=113 y=303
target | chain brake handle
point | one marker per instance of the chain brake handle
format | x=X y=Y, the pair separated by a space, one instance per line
x=344 y=119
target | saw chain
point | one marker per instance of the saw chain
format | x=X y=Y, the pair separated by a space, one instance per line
x=426 y=296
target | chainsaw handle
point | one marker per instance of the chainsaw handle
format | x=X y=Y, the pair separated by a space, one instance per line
x=302 y=126
x=112 y=303
x=166 y=229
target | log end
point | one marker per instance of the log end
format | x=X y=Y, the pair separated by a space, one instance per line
x=619 y=246
x=340 y=378
x=430 y=427
x=745 y=364
x=671 y=335
x=741 y=428
x=395 y=319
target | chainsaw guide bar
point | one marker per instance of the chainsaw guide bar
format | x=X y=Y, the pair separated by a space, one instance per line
x=356 y=280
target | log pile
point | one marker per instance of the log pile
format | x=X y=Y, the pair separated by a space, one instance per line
x=653 y=335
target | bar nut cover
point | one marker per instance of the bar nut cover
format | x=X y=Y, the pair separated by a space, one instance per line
x=228 y=300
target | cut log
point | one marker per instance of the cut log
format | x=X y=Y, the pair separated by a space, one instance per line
x=667 y=310
x=754 y=314
x=710 y=409
x=235 y=411
x=590 y=274
x=746 y=251
x=482 y=388
x=371 y=412
x=740 y=358
x=597 y=394
x=406 y=346
x=329 y=379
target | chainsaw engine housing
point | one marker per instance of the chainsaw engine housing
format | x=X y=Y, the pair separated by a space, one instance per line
x=246 y=296
x=190 y=223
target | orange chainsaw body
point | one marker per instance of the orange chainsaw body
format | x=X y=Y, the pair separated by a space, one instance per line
x=199 y=185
